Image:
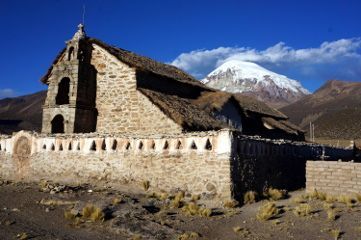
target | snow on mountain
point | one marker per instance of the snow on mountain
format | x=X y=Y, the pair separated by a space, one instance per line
x=251 y=79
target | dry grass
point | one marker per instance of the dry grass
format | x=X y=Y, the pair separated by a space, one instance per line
x=335 y=233
x=331 y=215
x=195 y=197
x=316 y=195
x=230 y=204
x=330 y=199
x=347 y=200
x=178 y=202
x=68 y=215
x=328 y=206
x=146 y=185
x=275 y=194
x=300 y=199
x=244 y=232
x=188 y=236
x=250 y=197
x=358 y=197
x=303 y=210
x=194 y=210
x=117 y=200
x=93 y=213
x=22 y=236
x=267 y=211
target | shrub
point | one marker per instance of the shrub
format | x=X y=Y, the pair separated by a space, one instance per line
x=302 y=210
x=267 y=211
x=275 y=194
x=250 y=197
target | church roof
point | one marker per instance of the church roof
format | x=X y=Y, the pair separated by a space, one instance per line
x=183 y=112
x=137 y=61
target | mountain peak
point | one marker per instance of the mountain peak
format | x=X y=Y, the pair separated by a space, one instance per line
x=249 y=78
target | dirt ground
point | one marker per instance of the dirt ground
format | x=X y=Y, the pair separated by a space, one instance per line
x=53 y=211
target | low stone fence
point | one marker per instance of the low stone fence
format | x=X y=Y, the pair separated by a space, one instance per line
x=197 y=163
x=333 y=177
x=218 y=164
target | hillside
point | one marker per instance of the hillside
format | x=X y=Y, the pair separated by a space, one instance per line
x=335 y=110
x=254 y=80
x=22 y=112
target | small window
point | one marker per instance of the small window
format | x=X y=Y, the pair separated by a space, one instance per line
x=63 y=92
x=70 y=53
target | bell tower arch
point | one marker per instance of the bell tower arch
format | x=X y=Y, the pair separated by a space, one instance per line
x=72 y=88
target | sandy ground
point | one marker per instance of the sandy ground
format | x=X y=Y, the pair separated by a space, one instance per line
x=33 y=211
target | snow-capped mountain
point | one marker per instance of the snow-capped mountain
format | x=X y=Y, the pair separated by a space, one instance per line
x=251 y=79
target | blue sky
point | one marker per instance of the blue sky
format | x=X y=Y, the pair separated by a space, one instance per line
x=310 y=41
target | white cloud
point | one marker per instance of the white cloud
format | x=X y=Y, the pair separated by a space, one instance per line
x=7 y=92
x=305 y=61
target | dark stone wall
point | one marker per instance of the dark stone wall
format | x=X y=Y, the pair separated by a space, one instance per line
x=257 y=164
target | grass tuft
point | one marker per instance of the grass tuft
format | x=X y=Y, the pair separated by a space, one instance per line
x=328 y=206
x=316 y=195
x=146 y=185
x=230 y=204
x=275 y=194
x=117 y=200
x=331 y=215
x=300 y=199
x=250 y=197
x=347 y=200
x=267 y=211
x=335 y=233
x=93 y=213
x=303 y=210
x=68 y=215
x=194 y=210
x=178 y=202
x=188 y=236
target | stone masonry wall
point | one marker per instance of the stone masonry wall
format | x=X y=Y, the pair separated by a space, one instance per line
x=333 y=177
x=121 y=108
x=196 y=163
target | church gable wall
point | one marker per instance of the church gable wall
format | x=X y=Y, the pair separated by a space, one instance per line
x=121 y=108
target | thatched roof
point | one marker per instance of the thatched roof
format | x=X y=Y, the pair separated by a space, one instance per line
x=139 y=62
x=282 y=125
x=216 y=100
x=183 y=112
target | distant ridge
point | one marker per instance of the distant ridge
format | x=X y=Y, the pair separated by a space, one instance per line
x=21 y=113
x=335 y=109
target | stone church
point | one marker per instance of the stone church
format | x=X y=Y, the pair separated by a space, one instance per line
x=112 y=116
x=95 y=87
